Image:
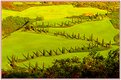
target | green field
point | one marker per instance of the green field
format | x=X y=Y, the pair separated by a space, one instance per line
x=20 y=42
x=101 y=29
x=48 y=60
x=51 y=12
x=34 y=42
x=26 y=42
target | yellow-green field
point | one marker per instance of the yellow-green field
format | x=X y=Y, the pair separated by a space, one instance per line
x=19 y=42
x=51 y=12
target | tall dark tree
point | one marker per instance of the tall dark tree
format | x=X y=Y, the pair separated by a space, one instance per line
x=102 y=42
x=91 y=37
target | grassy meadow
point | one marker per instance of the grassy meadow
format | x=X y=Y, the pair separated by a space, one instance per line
x=51 y=12
x=45 y=44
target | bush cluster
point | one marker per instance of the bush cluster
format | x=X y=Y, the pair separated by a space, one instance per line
x=11 y=24
x=92 y=66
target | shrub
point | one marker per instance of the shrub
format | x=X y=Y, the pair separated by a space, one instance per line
x=12 y=61
x=32 y=56
x=43 y=52
x=92 y=66
x=27 y=57
x=78 y=36
x=112 y=64
x=50 y=52
x=63 y=50
x=36 y=53
x=56 y=52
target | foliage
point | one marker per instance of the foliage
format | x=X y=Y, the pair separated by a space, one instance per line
x=50 y=40
x=115 y=19
x=7 y=5
x=11 y=24
x=92 y=66
x=68 y=21
x=110 y=6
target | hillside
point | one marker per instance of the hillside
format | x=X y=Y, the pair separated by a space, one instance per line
x=51 y=12
x=32 y=41
x=60 y=39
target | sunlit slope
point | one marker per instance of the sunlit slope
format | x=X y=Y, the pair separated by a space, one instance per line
x=47 y=61
x=19 y=43
x=51 y=12
x=6 y=13
x=100 y=29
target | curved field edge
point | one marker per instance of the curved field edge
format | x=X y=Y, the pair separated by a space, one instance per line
x=24 y=42
x=48 y=61
x=101 y=29
x=51 y=12
x=19 y=43
x=14 y=43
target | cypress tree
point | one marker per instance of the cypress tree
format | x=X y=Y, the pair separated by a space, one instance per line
x=56 y=52
x=32 y=57
x=28 y=57
x=70 y=50
x=78 y=36
x=102 y=42
x=63 y=50
x=43 y=53
x=84 y=37
x=29 y=67
x=91 y=37
x=36 y=53
x=36 y=67
x=50 y=53
x=72 y=35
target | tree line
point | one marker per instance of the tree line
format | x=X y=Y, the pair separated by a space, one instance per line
x=11 y=24
x=92 y=66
